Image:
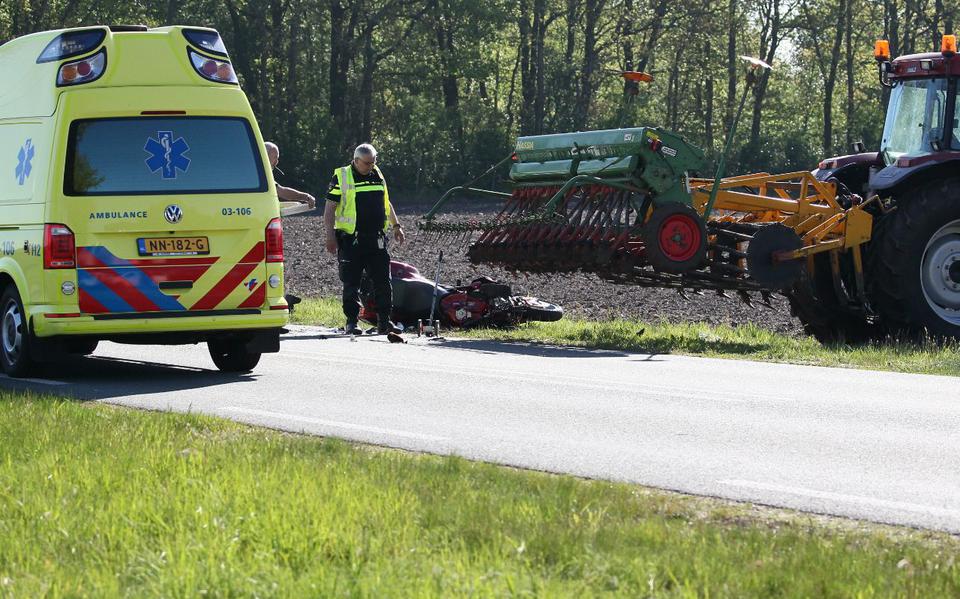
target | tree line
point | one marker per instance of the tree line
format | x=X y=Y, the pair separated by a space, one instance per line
x=444 y=87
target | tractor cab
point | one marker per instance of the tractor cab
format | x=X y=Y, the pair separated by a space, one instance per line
x=922 y=117
x=922 y=128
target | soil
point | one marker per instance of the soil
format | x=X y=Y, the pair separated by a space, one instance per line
x=311 y=272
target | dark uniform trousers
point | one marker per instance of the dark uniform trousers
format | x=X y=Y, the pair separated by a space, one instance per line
x=355 y=255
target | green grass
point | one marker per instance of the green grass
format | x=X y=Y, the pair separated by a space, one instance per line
x=748 y=342
x=100 y=501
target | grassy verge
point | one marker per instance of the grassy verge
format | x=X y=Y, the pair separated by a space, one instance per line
x=98 y=501
x=745 y=342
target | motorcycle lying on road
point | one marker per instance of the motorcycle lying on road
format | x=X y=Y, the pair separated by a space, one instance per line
x=482 y=303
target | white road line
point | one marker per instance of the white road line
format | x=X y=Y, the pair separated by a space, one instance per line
x=335 y=424
x=858 y=499
x=50 y=382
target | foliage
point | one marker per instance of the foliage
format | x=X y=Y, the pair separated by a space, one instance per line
x=443 y=87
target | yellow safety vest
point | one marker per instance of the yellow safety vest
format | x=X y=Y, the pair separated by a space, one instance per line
x=346 y=214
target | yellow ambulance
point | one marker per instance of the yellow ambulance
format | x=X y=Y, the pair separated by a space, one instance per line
x=136 y=201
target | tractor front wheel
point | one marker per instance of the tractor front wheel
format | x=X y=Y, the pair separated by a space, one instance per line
x=814 y=302
x=915 y=263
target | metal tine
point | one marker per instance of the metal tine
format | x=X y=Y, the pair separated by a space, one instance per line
x=766 y=296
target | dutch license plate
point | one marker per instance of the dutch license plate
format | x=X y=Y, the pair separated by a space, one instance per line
x=173 y=246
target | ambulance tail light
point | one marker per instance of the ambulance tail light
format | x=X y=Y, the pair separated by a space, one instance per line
x=213 y=69
x=59 y=247
x=83 y=71
x=274 y=239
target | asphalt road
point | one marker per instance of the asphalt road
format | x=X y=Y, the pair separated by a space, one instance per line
x=878 y=446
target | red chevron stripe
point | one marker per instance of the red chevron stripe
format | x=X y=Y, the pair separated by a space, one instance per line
x=256 y=298
x=89 y=305
x=87 y=260
x=233 y=278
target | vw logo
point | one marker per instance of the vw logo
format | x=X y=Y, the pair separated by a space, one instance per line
x=173 y=214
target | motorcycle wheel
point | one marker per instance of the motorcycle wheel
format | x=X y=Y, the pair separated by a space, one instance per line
x=530 y=309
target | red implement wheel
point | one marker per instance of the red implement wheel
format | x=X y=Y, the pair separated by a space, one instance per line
x=675 y=238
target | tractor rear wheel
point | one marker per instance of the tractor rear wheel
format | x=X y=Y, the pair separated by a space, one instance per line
x=914 y=263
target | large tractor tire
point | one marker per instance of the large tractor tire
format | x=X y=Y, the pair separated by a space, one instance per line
x=914 y=263
x=814 y=302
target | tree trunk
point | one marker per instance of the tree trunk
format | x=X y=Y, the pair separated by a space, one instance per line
x=365 y=129
x=443 y=33
x=540 y=92
x=527 y=87
x=673 y=90
x=851 y=67
x=654 y=32
x=831 y=81
x=341 y=51
x=173 y=9
x=290 y=95
x=770 y=37
x=240 y=49
x=733 y=24
x=590 y=64
x=708 y=114
x=562 y=118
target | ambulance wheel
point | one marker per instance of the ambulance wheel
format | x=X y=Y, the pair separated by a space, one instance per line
x=15 y=337
x=230 y=358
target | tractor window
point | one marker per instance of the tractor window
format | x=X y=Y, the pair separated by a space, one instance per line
x=914 y=118
x=955 y=142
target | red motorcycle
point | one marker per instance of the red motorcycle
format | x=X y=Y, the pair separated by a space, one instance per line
x=484 y=302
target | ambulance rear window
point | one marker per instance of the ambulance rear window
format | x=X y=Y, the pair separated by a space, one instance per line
x=162 y=156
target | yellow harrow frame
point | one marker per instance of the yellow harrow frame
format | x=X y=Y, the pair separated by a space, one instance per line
x=796 y=200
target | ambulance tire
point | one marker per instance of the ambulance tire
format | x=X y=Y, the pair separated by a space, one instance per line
x=232 y=357
x=15 y=336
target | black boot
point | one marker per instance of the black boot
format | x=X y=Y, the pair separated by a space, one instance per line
x=352 y=328
x=386 y=326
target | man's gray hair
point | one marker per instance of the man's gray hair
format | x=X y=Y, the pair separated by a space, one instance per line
x=365 y=150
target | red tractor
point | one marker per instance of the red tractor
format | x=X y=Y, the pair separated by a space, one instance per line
x=912 y=270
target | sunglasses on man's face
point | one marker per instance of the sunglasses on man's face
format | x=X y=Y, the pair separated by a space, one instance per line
x=367 y=163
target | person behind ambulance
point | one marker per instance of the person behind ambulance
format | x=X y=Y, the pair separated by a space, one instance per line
x=357 y=217
x=286 y=193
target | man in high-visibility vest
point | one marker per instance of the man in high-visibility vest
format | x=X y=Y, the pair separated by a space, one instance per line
x=357 y=218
